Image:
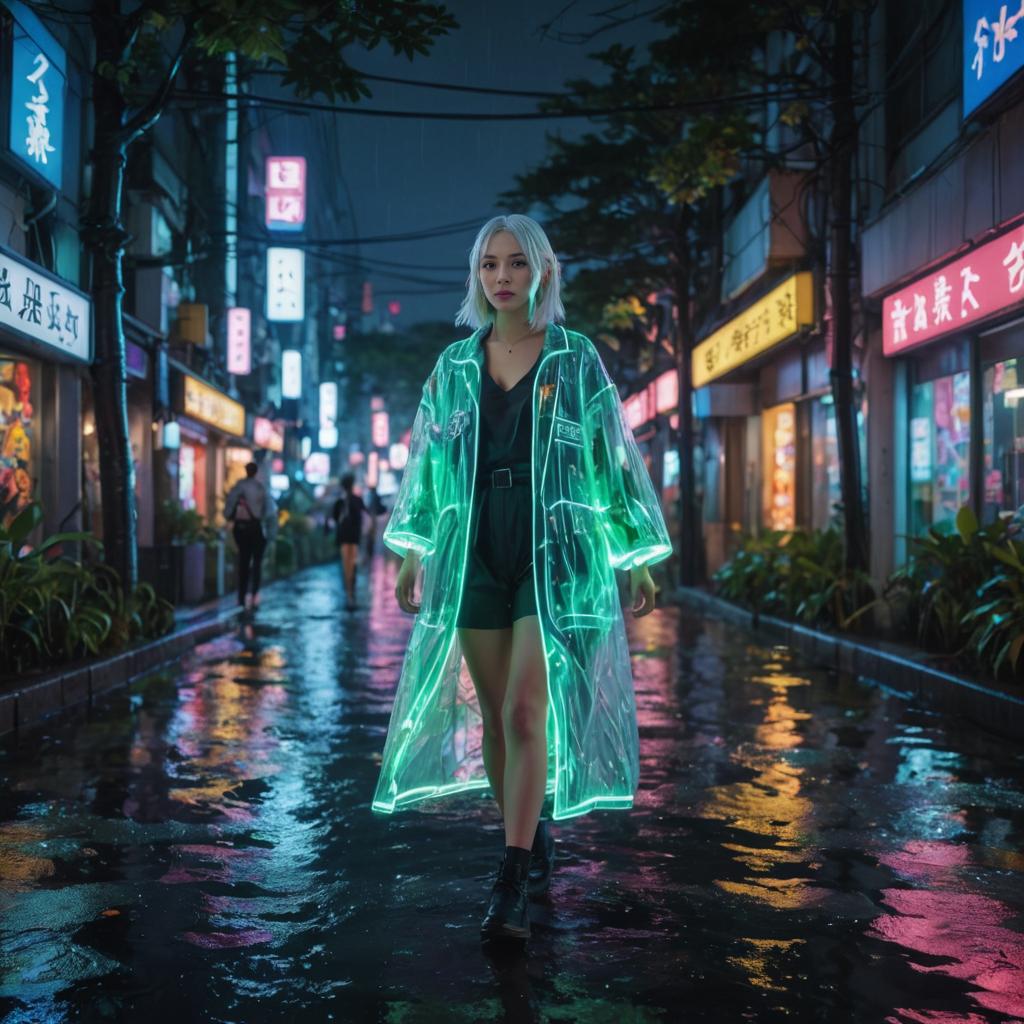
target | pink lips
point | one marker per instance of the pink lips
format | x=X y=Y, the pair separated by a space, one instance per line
x=504 y=295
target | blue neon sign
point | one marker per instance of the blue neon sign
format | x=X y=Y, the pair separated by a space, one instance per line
x=993 y=48
x=38 y=86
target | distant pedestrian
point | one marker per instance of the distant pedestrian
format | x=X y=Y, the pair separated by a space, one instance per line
x=251 y=508
x=523 y=493
x=374 y=508
x=347 y=516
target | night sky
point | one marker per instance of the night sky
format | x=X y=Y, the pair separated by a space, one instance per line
x=408 y=175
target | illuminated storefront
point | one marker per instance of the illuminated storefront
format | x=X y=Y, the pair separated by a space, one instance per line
x=43 y=355
x=212 y=449
x=957 y=336
x=765 y=422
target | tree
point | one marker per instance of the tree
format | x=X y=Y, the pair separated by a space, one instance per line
x=131 y=87
x=637 y=205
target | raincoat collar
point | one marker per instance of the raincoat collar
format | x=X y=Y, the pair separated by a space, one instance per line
x=472 y=352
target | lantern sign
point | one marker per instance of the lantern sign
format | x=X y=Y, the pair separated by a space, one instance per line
x=328 y=403
x=286 y=284
x=239 y=340
x=380 y=432
x=36 y=113
x=291 y=373
x=666 y=390
x=286 y=193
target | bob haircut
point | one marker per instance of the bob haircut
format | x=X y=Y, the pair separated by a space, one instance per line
x=545 y=303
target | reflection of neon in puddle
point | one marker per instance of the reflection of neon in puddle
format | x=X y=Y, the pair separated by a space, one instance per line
x=227 y=940
x=964 y=929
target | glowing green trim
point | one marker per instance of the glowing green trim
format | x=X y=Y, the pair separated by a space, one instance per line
x=400 y=543
x=643 y=556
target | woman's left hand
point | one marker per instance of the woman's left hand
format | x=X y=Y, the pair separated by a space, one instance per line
x=640 y=583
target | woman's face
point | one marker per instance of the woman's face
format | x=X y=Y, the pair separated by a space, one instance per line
x=504 y=273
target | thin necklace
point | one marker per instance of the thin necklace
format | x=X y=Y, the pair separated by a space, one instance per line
x=519 y=339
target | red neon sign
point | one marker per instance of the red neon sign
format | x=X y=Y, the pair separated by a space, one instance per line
x=988 y=280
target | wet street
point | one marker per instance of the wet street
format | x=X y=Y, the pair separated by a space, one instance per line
x=200 y=848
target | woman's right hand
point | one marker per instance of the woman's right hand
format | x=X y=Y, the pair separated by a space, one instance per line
x=406 y=583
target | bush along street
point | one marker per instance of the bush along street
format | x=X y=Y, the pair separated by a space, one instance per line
x=960 y=595
x=55 y=609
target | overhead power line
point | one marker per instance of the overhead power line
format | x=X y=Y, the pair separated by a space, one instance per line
x=696 y=105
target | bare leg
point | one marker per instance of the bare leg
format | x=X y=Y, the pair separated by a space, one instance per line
x=524 y=717
x=349 y=554
x=487 y=653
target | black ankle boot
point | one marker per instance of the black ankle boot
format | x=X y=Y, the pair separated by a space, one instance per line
x=507 y=916
x=542 y=860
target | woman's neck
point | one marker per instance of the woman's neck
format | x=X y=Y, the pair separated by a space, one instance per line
x=511 y=326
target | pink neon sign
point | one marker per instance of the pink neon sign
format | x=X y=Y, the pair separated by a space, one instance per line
x=286 y=192
x=239 y=340
x=985 y=281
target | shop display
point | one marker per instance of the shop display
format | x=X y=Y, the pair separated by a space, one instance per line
x=17 y=437
x=780 y=467
x=1003 y=420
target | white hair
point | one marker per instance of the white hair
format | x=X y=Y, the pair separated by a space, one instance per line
x=545 y=302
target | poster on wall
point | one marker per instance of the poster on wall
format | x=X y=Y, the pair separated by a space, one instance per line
x=17 y=437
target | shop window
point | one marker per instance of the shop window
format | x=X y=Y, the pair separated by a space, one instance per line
x=192 y=476
x=940 y=440
x=826 y=480
x=1003 y=422
x=779 y=440
x=19 y=435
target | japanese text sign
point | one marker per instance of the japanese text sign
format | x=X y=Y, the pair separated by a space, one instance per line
x=208 y=405
x=239 y=340
x=286 y=193
x=286 y=284
x=985 y=281
x=291 y=373
x=36 y=114
x=993 y=48
x=39 y=306
x=777 y=316
x=328 y=404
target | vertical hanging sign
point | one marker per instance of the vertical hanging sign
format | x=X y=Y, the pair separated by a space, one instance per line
x=239 y=340
x=286 y=284
x=36 y=113
x=286 y=193
x=291 y=374
x=328 y=435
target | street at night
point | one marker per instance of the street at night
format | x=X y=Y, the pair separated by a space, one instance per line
x=802 y=847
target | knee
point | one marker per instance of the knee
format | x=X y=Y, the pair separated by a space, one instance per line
x=523 y=719
x=492 y=727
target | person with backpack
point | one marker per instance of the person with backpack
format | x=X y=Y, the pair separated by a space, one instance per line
x=248 y=506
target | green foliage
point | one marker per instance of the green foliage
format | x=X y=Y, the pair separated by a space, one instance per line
x=962 y=593
x=797 y=575
x=177 y=525
x=55 y=610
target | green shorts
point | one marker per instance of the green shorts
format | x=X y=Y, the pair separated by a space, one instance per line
x=499 y=573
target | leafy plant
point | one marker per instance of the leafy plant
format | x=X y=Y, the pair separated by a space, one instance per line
x=180 y=525
x=54 y=609
x=797 y=574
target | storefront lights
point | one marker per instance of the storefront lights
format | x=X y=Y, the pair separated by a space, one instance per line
x=328 y=438
x=291 y=373
x=306 y=446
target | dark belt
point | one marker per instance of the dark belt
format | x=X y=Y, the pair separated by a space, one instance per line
x=504 y=477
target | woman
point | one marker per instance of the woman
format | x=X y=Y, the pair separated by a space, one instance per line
x=524 y=491
x=348 y=518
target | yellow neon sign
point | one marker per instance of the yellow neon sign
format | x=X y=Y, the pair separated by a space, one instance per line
x=208 y=405
x=777 y=316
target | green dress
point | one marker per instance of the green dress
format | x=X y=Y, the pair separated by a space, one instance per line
x=594 y=510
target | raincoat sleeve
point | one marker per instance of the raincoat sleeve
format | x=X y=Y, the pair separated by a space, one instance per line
x=628 y=507
x=413 y=518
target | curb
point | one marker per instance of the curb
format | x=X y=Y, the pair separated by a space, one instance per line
x=27 y=703
x=899 y=668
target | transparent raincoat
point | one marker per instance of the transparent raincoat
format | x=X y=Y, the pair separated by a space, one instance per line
x=594 y=510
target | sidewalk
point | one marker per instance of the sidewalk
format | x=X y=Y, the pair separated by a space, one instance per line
x=907 y=671
x=27 y=700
